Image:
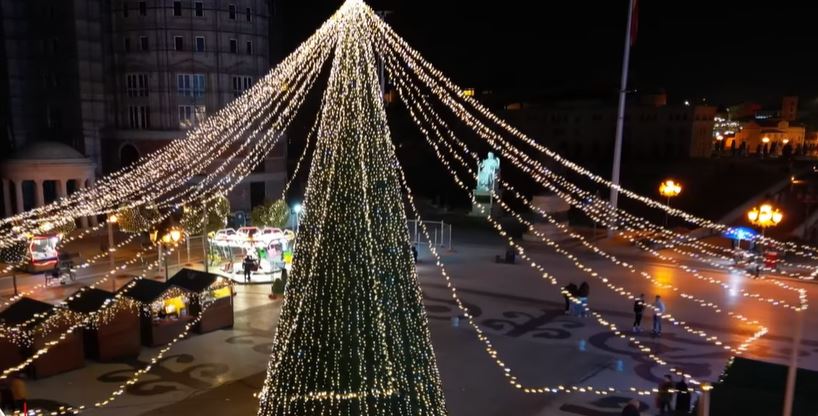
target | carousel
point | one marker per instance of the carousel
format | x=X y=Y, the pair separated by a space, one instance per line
x=266 y=251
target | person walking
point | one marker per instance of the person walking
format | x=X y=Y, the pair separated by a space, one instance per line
x=665 y=395
x=584 y=291
x=247 y=266
x=415 y=252
x=683 y=398
x=658 y=310
x=631 y=409
x=638 y=309
x=19 y=393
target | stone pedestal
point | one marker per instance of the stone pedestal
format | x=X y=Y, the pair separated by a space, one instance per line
x=483 y=206
x=553 y=206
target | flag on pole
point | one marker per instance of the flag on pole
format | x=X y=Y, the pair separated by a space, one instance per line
x=634 y=21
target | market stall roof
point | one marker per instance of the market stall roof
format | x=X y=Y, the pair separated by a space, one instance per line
x=24 y=310
x=145 y=290
x=89 y=300
x=192 y=280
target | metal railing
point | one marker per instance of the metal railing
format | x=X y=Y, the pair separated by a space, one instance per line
x=439 y=232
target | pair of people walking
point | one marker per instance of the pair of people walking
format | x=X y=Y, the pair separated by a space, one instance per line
x=580 y=293
x=667 y=391
x=659 y=309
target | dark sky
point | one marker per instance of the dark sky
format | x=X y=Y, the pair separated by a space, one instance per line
x=726 y=51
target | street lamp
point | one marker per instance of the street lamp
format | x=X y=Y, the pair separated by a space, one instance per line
x=765 y=216
x=112 y=219
x=166 y=237
x=669 y=189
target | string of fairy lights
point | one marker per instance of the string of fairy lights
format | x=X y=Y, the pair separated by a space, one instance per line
x=375 y=359
x=178 y=157
x=353 y=337
x=538 y=167
x=598 y=251
x=241 y=172
x=417 y=99
x=460 y=182
x=448 y=88
x=698 y=275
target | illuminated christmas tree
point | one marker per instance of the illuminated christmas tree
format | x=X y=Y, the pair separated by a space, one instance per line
x=353 y=337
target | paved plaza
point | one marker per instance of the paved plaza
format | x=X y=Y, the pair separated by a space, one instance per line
x=520 y=312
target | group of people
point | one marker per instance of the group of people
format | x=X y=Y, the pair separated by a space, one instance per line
x=659 y=309
x=13 y=394
x=665 y=403
x=576 y=304
x=579 y=294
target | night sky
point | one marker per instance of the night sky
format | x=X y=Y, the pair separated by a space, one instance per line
x=723 y=51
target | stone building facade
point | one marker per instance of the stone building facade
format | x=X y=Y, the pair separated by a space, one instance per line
x=119 y=79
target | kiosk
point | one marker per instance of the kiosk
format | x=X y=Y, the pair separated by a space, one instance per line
x=115 y=334
x=163 y=310
x=208 y=290
x=42 y=253
x=67 y=355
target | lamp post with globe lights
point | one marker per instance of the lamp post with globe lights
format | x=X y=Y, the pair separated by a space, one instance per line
x=166 y=237
x=111 y=220
x=765 y=216
x=669 y=188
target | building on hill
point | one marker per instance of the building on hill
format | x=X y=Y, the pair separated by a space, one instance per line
x=776 y=134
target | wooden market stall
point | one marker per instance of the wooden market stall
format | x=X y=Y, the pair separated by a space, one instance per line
x=115 y=333
x=164 y=311
x=211 y=293
x=43 y=322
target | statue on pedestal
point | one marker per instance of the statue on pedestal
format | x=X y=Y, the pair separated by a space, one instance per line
x=487 y=173
x=488 y=170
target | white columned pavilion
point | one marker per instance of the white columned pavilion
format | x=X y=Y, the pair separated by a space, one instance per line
x=38 y=164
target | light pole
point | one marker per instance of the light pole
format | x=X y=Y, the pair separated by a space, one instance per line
x=768 y=216
x=669 y=189
x=169 y=237
x=765 y=216
x=620 y=117
x=112 y=219
x=297 y=210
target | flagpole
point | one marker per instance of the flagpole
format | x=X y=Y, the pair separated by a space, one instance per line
x=620 y=120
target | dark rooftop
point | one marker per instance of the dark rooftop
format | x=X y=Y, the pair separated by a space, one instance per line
x=193 y=280
x=23 y=310
x=89 y=300
x=146 y=291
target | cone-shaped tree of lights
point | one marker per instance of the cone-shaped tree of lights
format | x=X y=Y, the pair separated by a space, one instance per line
x=353 y=337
